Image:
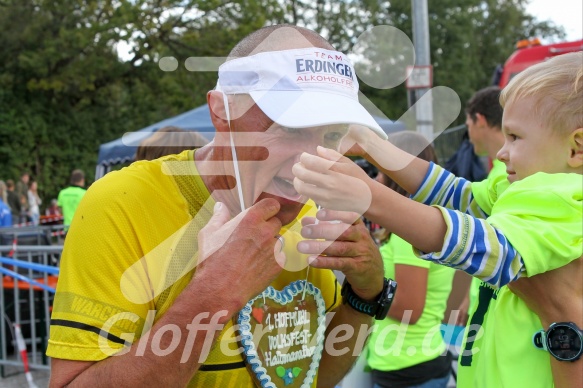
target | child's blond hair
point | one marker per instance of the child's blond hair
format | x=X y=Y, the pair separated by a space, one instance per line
x=557 y=88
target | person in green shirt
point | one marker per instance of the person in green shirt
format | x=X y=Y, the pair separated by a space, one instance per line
x=406 y=348
x=70 y=197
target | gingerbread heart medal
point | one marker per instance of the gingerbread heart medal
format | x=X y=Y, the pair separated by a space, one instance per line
x=282 y=334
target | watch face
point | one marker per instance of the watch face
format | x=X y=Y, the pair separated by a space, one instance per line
x=564 y=342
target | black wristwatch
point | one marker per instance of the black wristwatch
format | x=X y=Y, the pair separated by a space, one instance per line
x=377 y=309
x=562 y=340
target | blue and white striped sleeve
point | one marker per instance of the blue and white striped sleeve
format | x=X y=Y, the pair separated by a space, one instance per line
x=471 y=243
x=478 y=248
x=441 y=187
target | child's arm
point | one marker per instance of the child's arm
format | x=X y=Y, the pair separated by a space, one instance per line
x=429 y=183
x=440 y=187
x=476 y=247
x=339 y=184
x=407 y=170
x=461 y=241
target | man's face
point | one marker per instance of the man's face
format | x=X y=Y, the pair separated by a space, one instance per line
x=530 y=146
x=272 y=177
x=476 y=134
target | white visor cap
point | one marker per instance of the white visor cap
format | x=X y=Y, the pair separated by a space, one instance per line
x=299 y=88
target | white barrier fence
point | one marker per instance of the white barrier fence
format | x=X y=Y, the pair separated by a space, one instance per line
x=29 y=277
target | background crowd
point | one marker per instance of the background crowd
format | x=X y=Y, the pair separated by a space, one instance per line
x=21 y=204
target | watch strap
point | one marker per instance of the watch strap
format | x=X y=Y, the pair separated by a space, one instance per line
x=539 y=340
x=377 y=308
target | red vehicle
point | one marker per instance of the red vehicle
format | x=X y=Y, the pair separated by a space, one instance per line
x=530 y=52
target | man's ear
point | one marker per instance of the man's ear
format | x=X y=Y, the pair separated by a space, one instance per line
x=216 y=105
x=481 y=120
x=576 y=145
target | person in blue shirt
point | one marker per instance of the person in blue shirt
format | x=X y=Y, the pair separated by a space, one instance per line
x=5 y=213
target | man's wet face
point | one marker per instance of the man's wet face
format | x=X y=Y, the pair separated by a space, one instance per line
x=272 y=177
x=285 y=150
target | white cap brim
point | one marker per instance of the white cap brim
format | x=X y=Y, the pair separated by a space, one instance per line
x=304 y=109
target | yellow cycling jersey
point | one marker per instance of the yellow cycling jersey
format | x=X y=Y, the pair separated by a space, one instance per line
x=147 y=217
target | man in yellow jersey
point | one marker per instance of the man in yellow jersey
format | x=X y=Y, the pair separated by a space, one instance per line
x=163 y=257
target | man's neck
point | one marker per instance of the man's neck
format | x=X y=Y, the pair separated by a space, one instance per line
x=220 y=184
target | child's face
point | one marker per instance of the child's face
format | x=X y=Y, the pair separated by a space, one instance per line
x=529 y=146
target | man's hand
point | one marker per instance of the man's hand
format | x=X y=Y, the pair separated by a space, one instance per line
x=342 y=242
x=348 y=247
x=243 y=251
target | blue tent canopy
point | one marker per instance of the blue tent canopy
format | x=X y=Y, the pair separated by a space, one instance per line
x=123 y=149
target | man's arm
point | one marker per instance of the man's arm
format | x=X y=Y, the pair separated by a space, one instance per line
x=200 y=311
x=557 y=296
x=345 y=338
x=350 y=249
x=142 y=365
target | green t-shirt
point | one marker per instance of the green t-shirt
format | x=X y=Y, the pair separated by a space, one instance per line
x=487 y=191
x=394 y=346
x=68 y=200
x=542 y=217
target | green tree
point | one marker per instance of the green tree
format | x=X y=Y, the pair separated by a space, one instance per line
x=64 y=90
x=468 y=39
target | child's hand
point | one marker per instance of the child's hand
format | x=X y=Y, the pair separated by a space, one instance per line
x=356 y=141
x=333 y=181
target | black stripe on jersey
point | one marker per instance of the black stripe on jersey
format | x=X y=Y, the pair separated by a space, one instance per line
x=84 y=326
x=219 y=367
x=335 y=292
